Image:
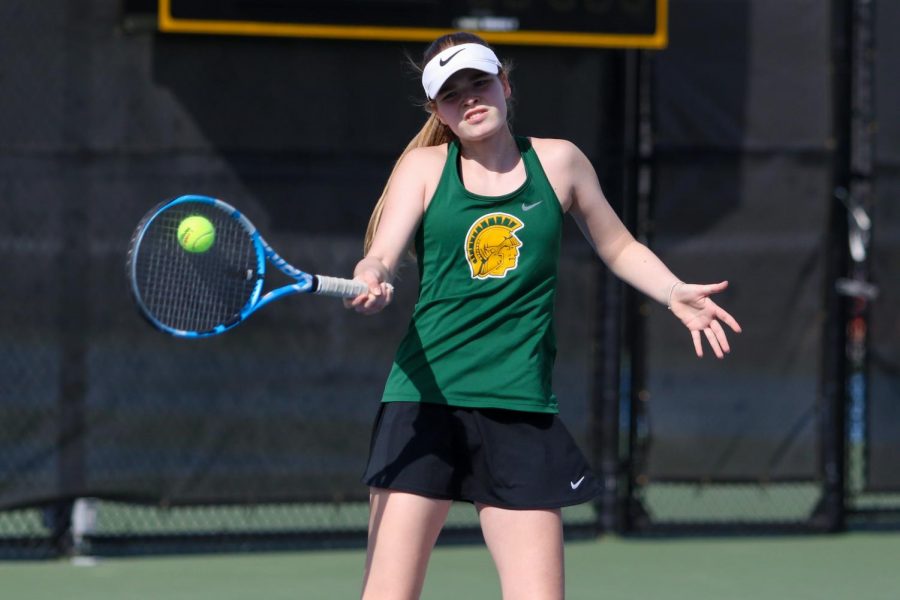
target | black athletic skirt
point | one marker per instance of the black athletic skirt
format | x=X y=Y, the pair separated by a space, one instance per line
x=504 y=458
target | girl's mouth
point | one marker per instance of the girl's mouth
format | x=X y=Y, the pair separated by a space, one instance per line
x=476 y=115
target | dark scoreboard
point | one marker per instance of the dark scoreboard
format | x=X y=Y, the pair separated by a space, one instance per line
x=586 y=23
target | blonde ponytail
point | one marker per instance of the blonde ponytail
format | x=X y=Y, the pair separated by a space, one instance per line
x=433 y=133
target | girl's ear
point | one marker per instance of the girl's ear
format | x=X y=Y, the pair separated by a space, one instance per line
x=431 y=107
x=507 y=89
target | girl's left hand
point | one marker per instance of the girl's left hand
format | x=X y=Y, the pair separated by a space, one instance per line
x=692 y=304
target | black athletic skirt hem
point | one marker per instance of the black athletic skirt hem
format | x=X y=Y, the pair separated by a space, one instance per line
x=503 y=458
x=543 y=506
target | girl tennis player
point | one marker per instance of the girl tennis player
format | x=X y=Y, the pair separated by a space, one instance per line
x=468 y=412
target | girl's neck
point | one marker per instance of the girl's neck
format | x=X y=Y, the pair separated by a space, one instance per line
x=498 y=153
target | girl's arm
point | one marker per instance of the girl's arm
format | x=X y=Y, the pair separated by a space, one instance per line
x=404 y=205
x=637 y=265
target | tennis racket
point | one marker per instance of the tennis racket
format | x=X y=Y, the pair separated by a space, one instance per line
x=192 y=293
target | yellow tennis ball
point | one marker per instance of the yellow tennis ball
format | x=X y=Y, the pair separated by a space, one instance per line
x=196 y=234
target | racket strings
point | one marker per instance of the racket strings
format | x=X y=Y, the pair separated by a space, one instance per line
x=195 y=291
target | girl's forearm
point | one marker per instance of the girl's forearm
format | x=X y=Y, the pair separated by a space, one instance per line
x=638 y=266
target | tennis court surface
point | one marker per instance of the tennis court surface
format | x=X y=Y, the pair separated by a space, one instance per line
x=839 y=567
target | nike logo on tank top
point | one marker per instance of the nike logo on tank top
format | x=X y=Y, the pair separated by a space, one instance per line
x=482 y=334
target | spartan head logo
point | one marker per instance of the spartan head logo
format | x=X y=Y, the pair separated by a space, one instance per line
x=492 y=247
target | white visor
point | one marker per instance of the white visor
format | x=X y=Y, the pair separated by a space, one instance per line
x=453 y=59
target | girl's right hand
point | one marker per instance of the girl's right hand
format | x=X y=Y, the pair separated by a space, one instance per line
x=380 y=294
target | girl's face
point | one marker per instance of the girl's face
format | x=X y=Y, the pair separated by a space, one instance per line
x=472 y=103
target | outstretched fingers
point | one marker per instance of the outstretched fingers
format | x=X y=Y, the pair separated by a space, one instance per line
x=714 y=288
x=726 y=318
x=715 y=337
x=717 y=340
x=700 y=314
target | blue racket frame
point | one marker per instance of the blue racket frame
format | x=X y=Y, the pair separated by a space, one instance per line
x=305 y=283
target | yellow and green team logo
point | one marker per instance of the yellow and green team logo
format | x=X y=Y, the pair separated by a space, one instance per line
x=492 y=247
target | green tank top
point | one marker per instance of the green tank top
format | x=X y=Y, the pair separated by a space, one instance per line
x=482 y=332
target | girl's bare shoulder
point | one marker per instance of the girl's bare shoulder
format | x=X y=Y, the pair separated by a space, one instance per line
x=426 y=158
x=419 y=172
x=555 y=152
